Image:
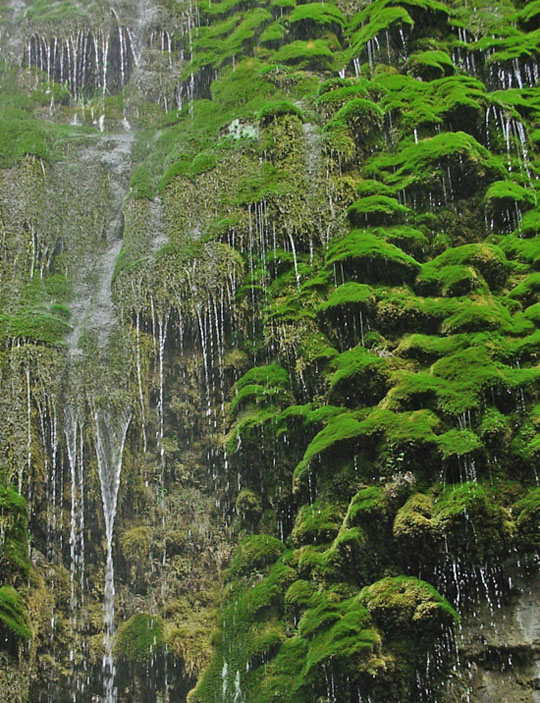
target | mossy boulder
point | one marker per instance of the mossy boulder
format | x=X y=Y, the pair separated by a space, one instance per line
x=140 y=638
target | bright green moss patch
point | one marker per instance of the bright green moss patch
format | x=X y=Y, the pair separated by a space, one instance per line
x=349 y=294
x=14 y=625
x=376 y=210
x=431 y=64
x=314 y=53
x=359 y=377
x=503 y=192
x=14 y=550
x=458 y=443
x=317 y=523
x=319 y=13
x=371 y=257
x=274 y=110
x=528 y=17
x=139 y=638
x=360 y=118
x=422 y=166
x=447 y=273
x=366 y=24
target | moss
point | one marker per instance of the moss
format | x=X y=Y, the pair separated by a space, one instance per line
x=140 y=638
x=360 y=378
x=314 y=53
x=254 y=553
x=406 y=603
x=422 y=167
x=372 y=258
x=458 y=443
x=248 y=506
x=317 y=523
x=14 y=625
x=136 y=543
x=319 y=13
x=448 y=272
x=342 y=428
x=528 y=16
x=272 y=375
x=526 y=512
x=14 y=548
x=275 y=32
x=468 y=508
x=413 y=524
x=361 y=119
x=274 y=110
x=374 y=20
x=376 y=210
x=431 y=64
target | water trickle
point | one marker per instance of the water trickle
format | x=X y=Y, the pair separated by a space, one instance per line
x=111 y=427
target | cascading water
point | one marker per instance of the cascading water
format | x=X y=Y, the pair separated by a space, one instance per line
x=111 y=425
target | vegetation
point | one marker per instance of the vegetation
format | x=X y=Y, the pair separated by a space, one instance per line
x=321 y=325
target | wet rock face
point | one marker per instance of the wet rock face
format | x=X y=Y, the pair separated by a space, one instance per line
x=500 y=651
x=269 y=352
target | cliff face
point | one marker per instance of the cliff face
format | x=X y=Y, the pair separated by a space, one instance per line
x=269 y=351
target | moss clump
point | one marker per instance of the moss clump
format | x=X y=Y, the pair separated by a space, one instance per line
x=405 y=602
x=468 y=509
x=526 y=513
x=274 y=110
x=255 y=553
x=314 y=54
x=376 y=210
x=423 y=167
x=431 y=64
x=248 y=506
x=360 y=377
x=14 y=625
x=14 y=550
x=450 y=272
x=317 y=523
x=363 y=254
x=140 y=638
x=262 y=385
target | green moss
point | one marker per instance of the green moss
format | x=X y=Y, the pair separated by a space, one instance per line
x=360 y=377
x=140 y=638
x=528 y=16
x=14 y=623
x=422 y=167
x=376 y=210
x=468 y=508
x=431 y=64
x=527 y=512
x=458 y=443
x=273 y=110
x=255 y=553
x=317 y=12
x=14 y=550
x=406 y=603
x=374 y=20
x=349 y=294
x=361 y=119
x=317 y=523
x=275 y=32
x=372 y=258
x=449 y=273
x=314 y=53
x=413 y=524
x=38 y=326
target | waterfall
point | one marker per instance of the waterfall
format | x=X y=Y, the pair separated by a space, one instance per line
x=111 y=427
